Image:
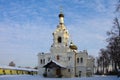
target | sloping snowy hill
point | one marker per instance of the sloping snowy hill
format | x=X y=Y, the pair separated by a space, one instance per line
x=29 y=77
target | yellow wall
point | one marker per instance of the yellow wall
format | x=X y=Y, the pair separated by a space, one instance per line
x=13 y=72
x=7 y=71
x=1 y=71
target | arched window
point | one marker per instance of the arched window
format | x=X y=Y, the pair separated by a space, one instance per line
x=68 y=70
x=48 y=58
x=41 y=61
x=59 y=39
x=77 y=60
x=69 y=58
x=81 y=60
x=58 y=57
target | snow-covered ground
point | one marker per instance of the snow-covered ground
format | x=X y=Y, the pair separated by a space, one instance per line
x=30 y=77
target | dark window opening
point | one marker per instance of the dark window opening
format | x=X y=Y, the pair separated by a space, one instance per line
x=58 y=57
x=81 y=60
x=77 y=60
x=4 y=72
x=49 y=59
x=69 y=58
x=68 y=70
x=41 y=61
x=59 y=39
x=48 y=70
x=10 y=71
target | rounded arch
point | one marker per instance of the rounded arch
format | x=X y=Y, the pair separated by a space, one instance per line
x=81 y=60
x=58 y=57
x=41 y=61
x=78 y=60
x=59 y=39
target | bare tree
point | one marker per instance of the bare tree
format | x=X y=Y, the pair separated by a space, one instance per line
x=104 y=60
x=114 y=38
x=112 y=51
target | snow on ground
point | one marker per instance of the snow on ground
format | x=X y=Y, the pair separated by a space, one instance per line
x=30 y=77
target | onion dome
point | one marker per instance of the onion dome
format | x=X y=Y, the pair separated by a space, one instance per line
x=72 y=46
x=61 y=15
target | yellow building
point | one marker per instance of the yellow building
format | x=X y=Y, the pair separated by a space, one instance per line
x=8 y=70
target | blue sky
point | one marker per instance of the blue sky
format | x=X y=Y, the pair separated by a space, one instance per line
x=26 y=26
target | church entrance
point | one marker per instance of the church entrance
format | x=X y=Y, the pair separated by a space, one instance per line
x=55 y=66
x=58 y=71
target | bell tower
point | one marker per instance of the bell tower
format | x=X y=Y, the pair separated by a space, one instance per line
x=60 y=37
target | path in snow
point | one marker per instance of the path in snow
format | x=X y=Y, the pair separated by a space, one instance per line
x=29 y=77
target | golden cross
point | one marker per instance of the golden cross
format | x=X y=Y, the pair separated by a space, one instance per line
x=61 y=9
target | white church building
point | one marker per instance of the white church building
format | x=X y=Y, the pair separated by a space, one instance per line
x=64 y=60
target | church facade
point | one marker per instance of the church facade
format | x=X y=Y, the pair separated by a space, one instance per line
x=64 y=60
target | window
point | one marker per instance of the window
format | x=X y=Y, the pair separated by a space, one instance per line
x=81 y=60
x=58 y=57
x=59 y=39
x=68 y=70
x=4 y=72
x=48 y=58
x=80 y=73
x=41 y=61
x=69 y=58
x=77 y=60
x=48 y=70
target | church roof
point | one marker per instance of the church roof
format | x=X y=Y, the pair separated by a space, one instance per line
x=61 y=15
x=53 y=64
x=73 y=46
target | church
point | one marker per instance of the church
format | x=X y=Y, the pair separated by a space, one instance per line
x=64 y=59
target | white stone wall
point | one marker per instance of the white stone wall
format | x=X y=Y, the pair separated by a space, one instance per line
x=81 y=64
x=42 y=56
x=84 y=56
x=90 y=66
x=81 y=71
x=68 y=60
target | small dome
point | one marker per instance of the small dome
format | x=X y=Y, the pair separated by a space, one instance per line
x=72 y=46
x=61 y=15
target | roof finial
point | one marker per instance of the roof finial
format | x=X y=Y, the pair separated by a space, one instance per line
x=61 y=14
x=61 y=9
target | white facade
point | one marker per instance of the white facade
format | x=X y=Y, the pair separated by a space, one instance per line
x=71 y=63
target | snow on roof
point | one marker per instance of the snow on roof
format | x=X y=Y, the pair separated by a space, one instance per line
x=56 y=63
x=16 y=68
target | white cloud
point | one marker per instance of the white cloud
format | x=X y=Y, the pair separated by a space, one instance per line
x=90 y=33
x=27 y=30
